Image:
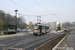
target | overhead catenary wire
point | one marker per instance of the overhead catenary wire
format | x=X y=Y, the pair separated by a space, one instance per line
x=29 y=10
x=3 y=8
x=26 y=14
x=22 y=7
x=40 y=15
x=6 y=9
x=11 y=11
x=47 y=14
x=65 y=11
x=35 y=15
x=43 y=7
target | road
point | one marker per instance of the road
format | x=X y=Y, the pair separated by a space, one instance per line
x=26 y=42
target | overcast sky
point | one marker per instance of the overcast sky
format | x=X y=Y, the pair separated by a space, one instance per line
x=64 y=9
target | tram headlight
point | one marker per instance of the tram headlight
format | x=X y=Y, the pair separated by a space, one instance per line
x=36 y=31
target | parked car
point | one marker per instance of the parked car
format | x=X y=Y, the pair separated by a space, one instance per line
x=28 y=30
x=24 y=30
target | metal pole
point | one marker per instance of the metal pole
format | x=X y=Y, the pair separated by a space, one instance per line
x=16 y=19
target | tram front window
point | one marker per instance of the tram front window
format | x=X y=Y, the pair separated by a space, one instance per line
x=35 y=27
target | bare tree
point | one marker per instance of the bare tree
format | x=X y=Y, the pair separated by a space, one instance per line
x=30 y=24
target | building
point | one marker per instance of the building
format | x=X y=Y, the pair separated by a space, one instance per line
x=73 y=25
x=54 y=25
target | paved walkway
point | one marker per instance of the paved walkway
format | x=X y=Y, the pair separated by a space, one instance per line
x=55 y=31
x=17 y=34
x=22 y=34
x=69 y=42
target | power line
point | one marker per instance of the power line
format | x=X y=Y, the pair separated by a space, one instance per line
x=10 y=11
x=42 y=7
x=38 y=15
x=3 y=8
x=25 y=14
x=35 y=15
x=22 y=7
x=6 y=9
x=65 y=11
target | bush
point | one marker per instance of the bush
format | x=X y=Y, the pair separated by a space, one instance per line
x=1 y=23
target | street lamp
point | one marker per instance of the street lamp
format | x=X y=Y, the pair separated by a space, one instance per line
x=16 y=18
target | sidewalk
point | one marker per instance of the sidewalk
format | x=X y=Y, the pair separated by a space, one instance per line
x=22 y=34
x=17 y=34
x=69 y=42
x=56 y=31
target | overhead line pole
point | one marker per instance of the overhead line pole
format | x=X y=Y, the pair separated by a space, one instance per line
x=16 y=18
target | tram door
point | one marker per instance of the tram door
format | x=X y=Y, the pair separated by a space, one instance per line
x=40 y=27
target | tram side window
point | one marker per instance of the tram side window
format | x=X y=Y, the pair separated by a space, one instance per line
x=43 y=28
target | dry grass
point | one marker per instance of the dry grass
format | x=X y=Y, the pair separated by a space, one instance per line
x=51 y=44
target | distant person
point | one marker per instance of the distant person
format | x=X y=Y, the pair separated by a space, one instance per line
x=27 y=31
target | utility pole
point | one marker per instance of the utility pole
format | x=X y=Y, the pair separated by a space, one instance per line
x=16 y=19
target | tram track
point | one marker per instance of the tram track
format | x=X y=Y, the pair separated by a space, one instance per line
x=22 y=42
x=31 y=43
x=27 y=40
x=39 y=42
x=13 y=39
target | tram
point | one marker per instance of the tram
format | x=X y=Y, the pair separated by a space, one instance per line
x=39 y=29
